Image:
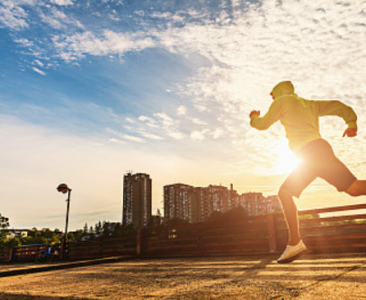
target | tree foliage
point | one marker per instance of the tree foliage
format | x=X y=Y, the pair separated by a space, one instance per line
x=4 y=222
x=176 y=222
x=44 y=236
x=233 y=214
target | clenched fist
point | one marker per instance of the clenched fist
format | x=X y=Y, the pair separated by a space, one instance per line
x=350 y=132
x=254 y=112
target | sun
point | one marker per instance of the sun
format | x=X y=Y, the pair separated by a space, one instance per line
x=286 y=159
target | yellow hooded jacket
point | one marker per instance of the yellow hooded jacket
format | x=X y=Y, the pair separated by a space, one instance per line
x=299 y=116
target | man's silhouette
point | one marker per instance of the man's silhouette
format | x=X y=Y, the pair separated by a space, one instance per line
x=300 y=117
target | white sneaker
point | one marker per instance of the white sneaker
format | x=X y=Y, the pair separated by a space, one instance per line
x=292 y=252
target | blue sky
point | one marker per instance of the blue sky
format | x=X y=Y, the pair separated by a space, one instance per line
x=91 y=89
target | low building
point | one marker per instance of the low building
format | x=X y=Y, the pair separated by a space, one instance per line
x=17 y=233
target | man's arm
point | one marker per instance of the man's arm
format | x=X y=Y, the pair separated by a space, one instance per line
x=337 y=108
x=272 y=116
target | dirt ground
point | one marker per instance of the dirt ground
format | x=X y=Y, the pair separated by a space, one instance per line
x=313 y=277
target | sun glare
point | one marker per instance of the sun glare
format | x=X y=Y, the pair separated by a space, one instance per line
x=286 y=159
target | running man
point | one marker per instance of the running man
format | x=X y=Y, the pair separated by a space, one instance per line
x=300 y=117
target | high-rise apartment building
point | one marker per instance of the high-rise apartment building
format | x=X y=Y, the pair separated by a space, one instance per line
x=136 y=200
x=196 y=204
x=256 y=204
x=252 y=203
x=214 y=198
x=180 y=202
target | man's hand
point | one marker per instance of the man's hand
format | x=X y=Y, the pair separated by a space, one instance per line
x=350 y=132
x=254 y=112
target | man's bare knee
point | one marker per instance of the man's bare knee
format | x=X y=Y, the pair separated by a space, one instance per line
x=284 y=194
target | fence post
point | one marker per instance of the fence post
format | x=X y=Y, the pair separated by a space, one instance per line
x=99 y=247
x=271 y=225
x=63 y=250
x=198 y=237
x=138 y=242
x=12 y=254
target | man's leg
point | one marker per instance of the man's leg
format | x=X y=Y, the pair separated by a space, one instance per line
x=291 y=216
x=357 y=188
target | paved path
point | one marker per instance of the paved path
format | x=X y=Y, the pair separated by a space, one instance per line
x=312 y=277
x=13 y=269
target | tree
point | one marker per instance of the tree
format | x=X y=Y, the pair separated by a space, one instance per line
x=86 y=228
x=33 y=232
x=155 y=220
x=98 y=228
x=75 y=236
x=233 y=214
x=4 y=222
x=44 y=236
x=107 y=229
x=177 y=222
x=120 y=230
x=12 y=243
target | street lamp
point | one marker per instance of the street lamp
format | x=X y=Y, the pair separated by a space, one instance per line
x=63 y=188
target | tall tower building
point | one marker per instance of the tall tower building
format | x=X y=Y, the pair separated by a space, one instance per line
x=136 y=200
x=180 y=202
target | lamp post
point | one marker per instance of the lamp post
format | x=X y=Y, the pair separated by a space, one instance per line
x=63 y=188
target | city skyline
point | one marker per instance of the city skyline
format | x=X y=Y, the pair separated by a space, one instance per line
x=196 y=204
x=90 y=89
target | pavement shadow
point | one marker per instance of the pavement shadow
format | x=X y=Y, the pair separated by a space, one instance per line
x=12 y=296
x=276 y=281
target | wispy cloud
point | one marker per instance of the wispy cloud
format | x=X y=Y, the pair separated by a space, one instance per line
x=57 y=19
x=39 y=63
x=197 y=135
x=12 y=16
x=125 y=136
x=198 y=121
x=62 y=2
x=39 y=71
x=218 y=133
x=129 y=120
x=248 y=50
x=24 y=42
x=228 y=57
x=88 y=43
x=181 y=110
x=151 y=136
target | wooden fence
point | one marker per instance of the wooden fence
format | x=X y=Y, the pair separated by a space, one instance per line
x=235 y=236
x=28 y=253
x=102 y=247
x=251 y=235
x=21 y=254
x=5 y=255
x=342 y=233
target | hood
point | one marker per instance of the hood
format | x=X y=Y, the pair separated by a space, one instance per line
x=283 y=88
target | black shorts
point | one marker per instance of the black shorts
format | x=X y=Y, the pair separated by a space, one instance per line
x=318 y=160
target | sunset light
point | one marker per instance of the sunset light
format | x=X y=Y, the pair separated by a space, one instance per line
x=286 y=160
x=90 y=89
x=213 y=148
